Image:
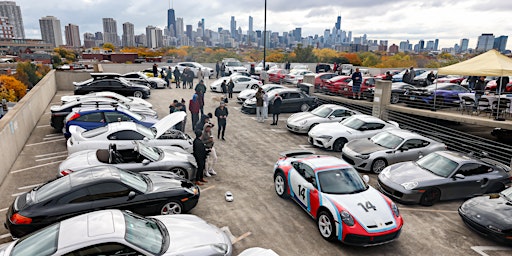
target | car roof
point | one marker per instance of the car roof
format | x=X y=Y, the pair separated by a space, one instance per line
x=458 y=156
x=407 y=134
x=334 y=106
x=324 y=162
x=367 y=118
x=99 y=226
x=92 y=174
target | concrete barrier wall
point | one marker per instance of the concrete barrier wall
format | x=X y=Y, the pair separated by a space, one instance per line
x=65 y=79
x=17 y=125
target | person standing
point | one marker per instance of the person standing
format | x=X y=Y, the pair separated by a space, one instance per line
x=205 y=119
x=259 y=105
x=217 y=69
x=479 y=91
x=190 y=76
x=357 y=79
x=221 y=112
x=276 y=108
x=207 y=139
x=264 y=76
x=265 y=105
x=335 y=67
x=200 y=74
x=177 y=75
x=184 y=78
x=168 y=77
x=430 y=78
x=231 y=85
x=412 y=74
x=472 y=82
x=200 y=91
x=193 y=107
x=388 y=76
x=287 y=66
x=222 y=69
x=172 y=106
x=224 y=88
x=200 y=154
x=155 y=70
x=405 y=77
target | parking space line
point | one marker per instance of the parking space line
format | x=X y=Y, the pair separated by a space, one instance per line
x=52 y=154
x=480 y=249
x=4 y=209
x=34 y=167
x=210 y=187
x=30 y=186
x=308 y=146
x=5 y=236
x=52 y=138
x=44 y=142
x=50 y=158
x=53 y=135
x=17 y=194
x=42 y=126
x=426 y=210
x=238 y=239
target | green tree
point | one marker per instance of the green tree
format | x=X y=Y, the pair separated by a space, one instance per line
x=304 y=55
x=30 y=74
x=369 y=59
x=109 y=46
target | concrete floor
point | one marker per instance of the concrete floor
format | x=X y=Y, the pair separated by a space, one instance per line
x=257 y=216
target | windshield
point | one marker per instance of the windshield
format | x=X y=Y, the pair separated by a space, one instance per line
x=143 y=75
x=144 y=233
x=353 y=122
x=51 y=189
x=133 y=180
x=341 y=181
x=43 y=242
x=151 y=153
x=134 y=115
x=234 y=64
x=387 y=140
x=321 y=111
x=147 y=132
x=437 y=164
x=95 y=132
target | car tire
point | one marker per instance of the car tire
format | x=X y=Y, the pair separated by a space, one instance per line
x=378 y=165
x=498 y=187
x=138 y=94
x=179 y=172
x=311 y=127
x=172 y=207
x=280 y=185
x=395 y=98
x=304 y=107
x=337 y=146
x=326 y=225
x=153 y=85
x=430 y=197
x=254 y=87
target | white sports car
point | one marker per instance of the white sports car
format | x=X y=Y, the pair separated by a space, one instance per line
x=155 y=82
x=124 y=133
x=194 y=66
x=297 y=76
x=129 y=101
x=344 y=206
x=249 y=93
x=327 y=113
x=334 y=135
x=241 y=83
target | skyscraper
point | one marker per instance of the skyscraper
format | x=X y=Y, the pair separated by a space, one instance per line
x=338 y=23
x=250 y=32
x=436 y=44
x=51 y=31
x=154 y=37
x=189 y=31
x=128 y=34
x=500 y=43
x=485 y=42
x=72 y=35
x=171 y=22
x=464 y=43
x=110 y=31
x=6 y=29
x=10 y=10
x=232 y=29
x=179 y=27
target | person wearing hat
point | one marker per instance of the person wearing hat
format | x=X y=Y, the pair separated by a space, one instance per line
x=200 y=154
x=221 y=112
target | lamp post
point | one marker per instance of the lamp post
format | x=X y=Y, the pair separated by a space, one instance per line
x=265 y=36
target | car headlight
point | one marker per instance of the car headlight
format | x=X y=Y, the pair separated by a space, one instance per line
x=495 y=229
x=363 y=156
x=221 y=248
x=325 y=137
x=394 y=208
x=347 y=218
x=192 y=190
x=303 y=122
x=410 y=185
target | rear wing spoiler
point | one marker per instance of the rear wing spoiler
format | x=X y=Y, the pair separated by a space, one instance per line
x=298 y=152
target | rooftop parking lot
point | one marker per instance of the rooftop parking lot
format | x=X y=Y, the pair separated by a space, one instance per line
x=258 y=217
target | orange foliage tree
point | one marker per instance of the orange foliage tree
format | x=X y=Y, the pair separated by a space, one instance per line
x=353 y=58
x=11 y=89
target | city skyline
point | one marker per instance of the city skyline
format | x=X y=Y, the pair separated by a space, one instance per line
x=314 y=20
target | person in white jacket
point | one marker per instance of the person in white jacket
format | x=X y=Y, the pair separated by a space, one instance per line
x=265 y=105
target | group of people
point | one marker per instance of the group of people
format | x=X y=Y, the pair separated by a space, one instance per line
x=227 y=88
x=409 y=75
x=220 y=69
x=186 y=77
x=262 y=104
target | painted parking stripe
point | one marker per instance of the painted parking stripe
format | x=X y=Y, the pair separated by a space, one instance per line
x=52 y=138
x=52 y=154
x=480 y=249
x=17 y=194
x=37 y=166
x=50 y=158
x=426 y=210
x=238 y=239
x=44 y=142
x=5 y=236
x=53 y=135
x=42 y=126
x=4 y=209
x=30 y=186
x=210 y=187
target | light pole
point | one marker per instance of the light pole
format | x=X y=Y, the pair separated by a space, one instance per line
x=265 y=36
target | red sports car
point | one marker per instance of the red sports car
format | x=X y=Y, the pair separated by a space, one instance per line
x=346 y=90
x=320 y=79
x=277 y=75
x=333 y=85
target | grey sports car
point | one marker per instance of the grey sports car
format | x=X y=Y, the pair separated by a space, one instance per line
x=141 y=158
x=302 y=122
x=387 y=148
x=443 y=175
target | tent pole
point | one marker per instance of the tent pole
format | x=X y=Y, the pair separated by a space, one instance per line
x=497 y=117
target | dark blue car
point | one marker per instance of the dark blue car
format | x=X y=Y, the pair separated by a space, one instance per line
x=445 y=94
x=90 y=118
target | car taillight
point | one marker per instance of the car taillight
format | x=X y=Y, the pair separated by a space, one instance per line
x=20 y=219
x=74 y=116
x=66 y=172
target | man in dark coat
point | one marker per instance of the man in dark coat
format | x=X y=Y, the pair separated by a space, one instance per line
x=200 y=155
x=200 y=91
x=155 y=70
x=194 y=109
x=190 y=78
x=221 y=112
x=217 y=69
x=177 y=75
x=231 y=85
x=276 y=109
x=357 y=79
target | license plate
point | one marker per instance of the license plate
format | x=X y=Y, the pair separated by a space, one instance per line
x=412 y=98
x=345 y=89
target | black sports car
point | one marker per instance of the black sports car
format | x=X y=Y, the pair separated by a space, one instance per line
x=118 y=85
x=399 y=91
x=490 y=215
x=294 y=100
x=100 y=187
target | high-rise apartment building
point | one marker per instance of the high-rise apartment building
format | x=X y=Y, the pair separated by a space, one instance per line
x=6 y=29
x=128 y=35
x=110 y=31
x=154 y=37
x=171 y=22
x=179 y=27
x=10 y=10
x=250 y=32
x=232 y=27
x=72 y=35
x=464 y=44
x=50 y=30
x=485 y=42
x=500 y=43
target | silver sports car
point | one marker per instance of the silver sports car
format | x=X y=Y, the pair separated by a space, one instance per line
x=327 y=113
x=443 y=175
x=140 y=158
x=387 y=148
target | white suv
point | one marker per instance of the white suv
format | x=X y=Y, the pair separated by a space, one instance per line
x=233 y=66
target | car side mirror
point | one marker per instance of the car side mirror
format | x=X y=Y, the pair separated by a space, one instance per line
x=145 y=162
x=460 y=176
x=331 y=117
x=366 y=178
x=404 y=148
x=131 y=195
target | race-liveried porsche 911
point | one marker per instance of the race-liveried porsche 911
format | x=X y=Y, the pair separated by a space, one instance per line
x=332 y=192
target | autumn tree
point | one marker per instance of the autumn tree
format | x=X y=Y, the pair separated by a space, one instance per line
x=304 y=54
x=11 y=89
x=369 y=59
x=29 y=73
x=69 y=55
x=109 y=46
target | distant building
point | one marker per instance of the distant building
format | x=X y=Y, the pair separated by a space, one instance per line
x=500 y=43
x=485 y=42
x=171 y=22
x=6 y=29
x=51 y=31
x=72 y=36
x=179 y=27
x=140 y=40
x=464 y=44
x=393 y=48
x=232 y=27
x=110 y=31
x=128 y=34
x=18 y=46
x=154 y=37
x=10 y=10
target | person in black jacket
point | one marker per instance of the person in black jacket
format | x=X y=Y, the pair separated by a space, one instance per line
x=276 y=109
x=231 y=85
x=200 y=155
x=221 y=112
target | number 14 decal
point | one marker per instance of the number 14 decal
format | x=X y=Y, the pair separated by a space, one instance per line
x=302 y=192
x=367 y=206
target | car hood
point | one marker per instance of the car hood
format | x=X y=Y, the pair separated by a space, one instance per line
x=163 y=181
x=141 y=110
x=410 y=172
x=364 y=146
x=178 y=155
x=247 y=93
x=189 y=233
x=490 y=209
x=329 y=129
x=168 y=122
x=297 y=117
x=139 y=101
x=371 y=220
x=80 y=160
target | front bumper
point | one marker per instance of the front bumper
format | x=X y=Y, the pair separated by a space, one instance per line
x=297 y=128
x=485 y=231
x=356 y=162
x=248 y=109
x=318 y=142
x=359 y=240
x=397 y=192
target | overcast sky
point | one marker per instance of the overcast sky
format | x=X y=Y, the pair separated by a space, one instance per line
x=394 y=20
